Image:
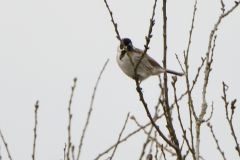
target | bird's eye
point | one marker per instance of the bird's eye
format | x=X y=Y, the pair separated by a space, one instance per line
x=121 y=46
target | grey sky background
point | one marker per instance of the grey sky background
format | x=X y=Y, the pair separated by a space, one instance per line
x=45 y=44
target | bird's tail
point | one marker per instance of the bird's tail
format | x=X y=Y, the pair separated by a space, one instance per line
x=174 y=72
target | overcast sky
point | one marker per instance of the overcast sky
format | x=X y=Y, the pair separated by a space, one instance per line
x=45 y=44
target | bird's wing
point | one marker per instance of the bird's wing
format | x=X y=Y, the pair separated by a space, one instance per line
x=150 y=59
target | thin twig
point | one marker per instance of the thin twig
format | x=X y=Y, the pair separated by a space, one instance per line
x=192 y=87
x=156 y=151
x=35 y=130
x=125 y=139
x=148 y=37
x=185 y=156
x=139 y=129
x=224 y=97
x=146 y=143
x=136 y=78
x=119 y=137
x=154 y=139
x=201 y=157
x=223 y=6
x=144 y=147
x=206 y=76
x=174 y=140
x=218 y=147
x=191 y=30
x=151 y=119
x=114 y=24
x=70 y=118
x=179 y=115
x=163 y=152
x=140 y=91
x=116 y=30
x=161 y=88
x=90 y=111
x=64 y=151
x=210 y=114
x=73 y=158
x=172 y=105
x=150 y=131
x=0 y=154
x=182 y=145
x=197 y=75
x=6 y=145
x=190 y=101
x=179 y=62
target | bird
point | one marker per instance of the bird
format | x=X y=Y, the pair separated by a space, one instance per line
x=146 y=68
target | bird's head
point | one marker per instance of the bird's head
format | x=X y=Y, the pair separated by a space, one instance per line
x=128 y=43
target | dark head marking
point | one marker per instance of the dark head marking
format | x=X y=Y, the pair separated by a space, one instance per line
x=127 y=42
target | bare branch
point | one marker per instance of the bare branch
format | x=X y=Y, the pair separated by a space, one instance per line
x=90 y=111
x=114 y=24
x=179 y=62
x=152 y=22
x=185 y=156
x=223 y=7
x=136 y=78
x=70 y=118
x=208 y=62
x=137 y=82
x=163 y=152
x=156 y=150
x=224 y=97
x=179 y=117
x=144 y=146
x=35 y=130
x=218 y=147
x=124 y=139
x=64 y=151
x=166 y=106
x=197 y=75
x=146 y=142
x=6 y=146
x=210 y=114
x=116 y=30
x=73 y=153
x=115 y=148
x=150 y=131
x=152 y=138
x=0 y=154
x=152 y=141
x=190 y=101
x=206 y=76
x=151 y=119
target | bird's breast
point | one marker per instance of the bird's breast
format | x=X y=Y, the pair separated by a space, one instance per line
x=125 y=63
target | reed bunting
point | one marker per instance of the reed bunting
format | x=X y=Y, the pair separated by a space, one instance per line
x=147 y=67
